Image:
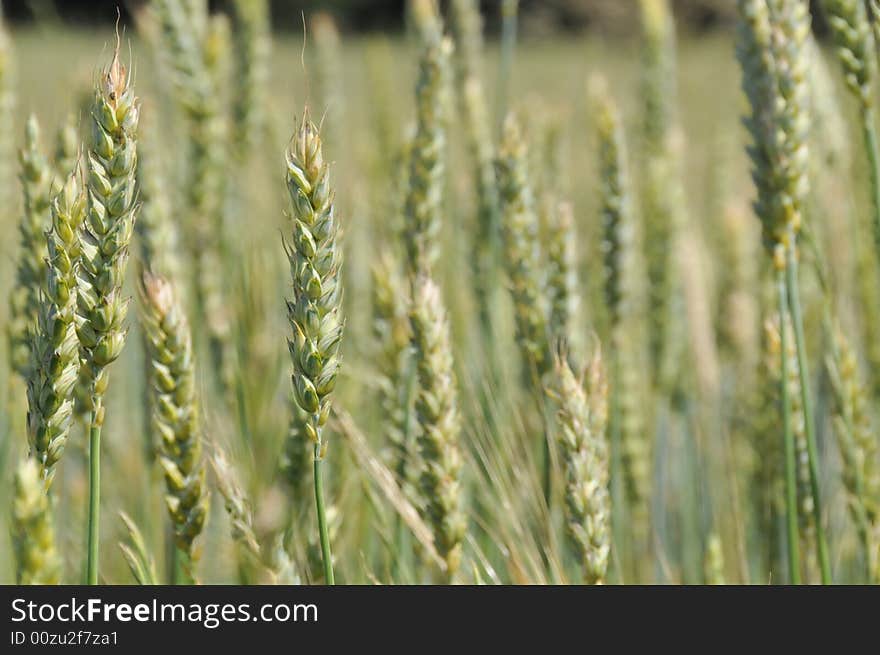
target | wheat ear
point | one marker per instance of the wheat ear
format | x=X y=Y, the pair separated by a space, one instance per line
x=33 y=533
x=237 y=506
x=67 y=147
x=772 y=40
x=252 y=41
x=36 y=182
x=314 y=310
x=439 y=423
x=7 y=112
x=105 y=237
x=175 y=412
x=427 y=159
x=54 y=345
x=519 y=229
x=858 y=446
x=582 y=418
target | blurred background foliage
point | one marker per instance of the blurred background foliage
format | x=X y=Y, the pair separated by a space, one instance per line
x=538 y=16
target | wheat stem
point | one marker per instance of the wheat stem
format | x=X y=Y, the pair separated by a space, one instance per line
x=94 y=496
x=322 y=519
x=791 y=276
x=791 y=507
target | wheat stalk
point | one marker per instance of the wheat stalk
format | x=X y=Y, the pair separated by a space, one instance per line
x=314 y=310
x=104 y=237
x=772 y=49
x=33 y=533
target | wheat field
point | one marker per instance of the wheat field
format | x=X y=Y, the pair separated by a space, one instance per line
x=430 y=307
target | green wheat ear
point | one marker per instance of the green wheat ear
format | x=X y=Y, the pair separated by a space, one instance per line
x=175 y=410
x=36 y=182
x=55 y=361
x=33 y=533
x=582 y=419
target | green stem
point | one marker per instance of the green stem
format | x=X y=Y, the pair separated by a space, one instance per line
x=873 y=152
x=617 y=492
x=791 y=276
x=791 y=509
x=322 y=518
x=94 y=495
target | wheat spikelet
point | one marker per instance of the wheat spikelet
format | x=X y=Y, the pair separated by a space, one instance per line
x=33 y=533
x=36 y=181
x=439 y=423
x=582 y=417
x=54 y=364
x=175 y=410
x=519 y=229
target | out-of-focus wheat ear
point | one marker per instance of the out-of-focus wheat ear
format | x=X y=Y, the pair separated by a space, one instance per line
x=7 y=118
x=54 y=363
x=137 y=556
x=391 y=332
x=439 y=424
x=237 y=506
x=185 y=30
x=37 y=559
x=773 y=50
x=659 y=211
x=560 y=251
x=427 y=161
x=582 y=418
x=253 y=49
x=713 y=561
x=859 y=449
x=67 y=147
x=329 y=76
x=467 y=27
x=30 y=271
x=175 y=412
x=522 y=255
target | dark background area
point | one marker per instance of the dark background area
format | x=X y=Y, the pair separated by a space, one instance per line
x=537 y=16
